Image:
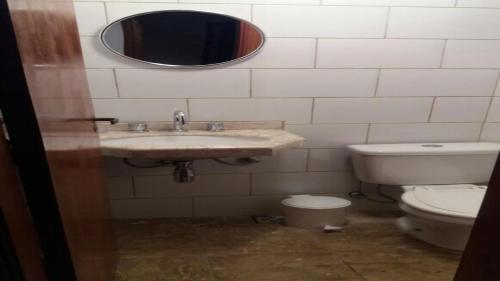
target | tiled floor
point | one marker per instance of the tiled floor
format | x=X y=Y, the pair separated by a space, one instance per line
x=237 y=249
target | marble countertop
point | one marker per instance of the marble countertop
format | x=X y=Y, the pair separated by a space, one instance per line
x=247 y=142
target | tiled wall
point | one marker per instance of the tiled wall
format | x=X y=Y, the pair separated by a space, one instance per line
x=337 y=71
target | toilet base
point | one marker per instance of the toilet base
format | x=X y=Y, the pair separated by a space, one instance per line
x=438 y=233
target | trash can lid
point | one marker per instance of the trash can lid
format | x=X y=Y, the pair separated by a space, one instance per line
x=315 y=202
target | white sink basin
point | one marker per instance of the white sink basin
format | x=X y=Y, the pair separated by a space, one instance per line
x=185 y=141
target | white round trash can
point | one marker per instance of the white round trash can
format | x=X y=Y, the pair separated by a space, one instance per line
x=309 y=211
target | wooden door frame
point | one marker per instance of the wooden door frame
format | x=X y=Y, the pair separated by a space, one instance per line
x=29 y=153
x=481 y=258
x=10 y=265
x=20 y=239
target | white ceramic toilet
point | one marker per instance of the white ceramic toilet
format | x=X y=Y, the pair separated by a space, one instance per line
x=441 y=184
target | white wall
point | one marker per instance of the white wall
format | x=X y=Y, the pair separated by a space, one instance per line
x=337 y=71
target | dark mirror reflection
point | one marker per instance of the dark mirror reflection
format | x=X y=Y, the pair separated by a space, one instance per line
x=183 y=38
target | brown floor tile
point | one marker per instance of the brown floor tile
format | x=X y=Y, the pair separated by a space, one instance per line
x=164 y=269
x=156 y=238
x=405 y=272
x=290 y=267
x=428 y=253
x=150 y=226
x=237 y=249
x=259 y=240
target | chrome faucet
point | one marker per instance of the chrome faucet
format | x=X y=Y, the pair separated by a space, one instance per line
x=179 y=121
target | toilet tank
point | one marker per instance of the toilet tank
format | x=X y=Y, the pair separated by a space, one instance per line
x=424 y=163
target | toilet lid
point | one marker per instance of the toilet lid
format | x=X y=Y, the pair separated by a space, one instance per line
x=315 y=202
x=459 y=200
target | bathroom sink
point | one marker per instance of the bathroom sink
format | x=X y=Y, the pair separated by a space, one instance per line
x=197 y=144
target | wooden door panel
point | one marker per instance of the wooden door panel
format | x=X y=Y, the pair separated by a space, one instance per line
x=49 y=48
x=20 y=226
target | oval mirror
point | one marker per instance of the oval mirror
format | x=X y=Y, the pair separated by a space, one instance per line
x=183 y=38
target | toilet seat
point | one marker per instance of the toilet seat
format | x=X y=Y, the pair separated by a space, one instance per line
x=461 y=201
x=441 y=215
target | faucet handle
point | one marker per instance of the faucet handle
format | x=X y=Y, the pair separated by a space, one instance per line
x=180 y=116
x=180 y=120
x=215 y=126
x=138 y=127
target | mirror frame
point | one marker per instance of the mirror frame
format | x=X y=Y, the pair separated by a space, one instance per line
x=212 y=65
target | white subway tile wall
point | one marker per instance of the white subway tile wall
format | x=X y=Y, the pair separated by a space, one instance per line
x=314 y=82
x=491 y=132
x=472 y=54
x=321 y=21
x=283 y=53
x=138 y=109
x=102 y=83
x=330 y=135
x=157 y=83
x=460 y=109
x=424 y=132
x=409 y=3
x=479 y=3
x=494 y=114
x=205 y=186
x=120 y=187
x=90 y=10
x=117 y=10
x=379 y=53
x=338 y=72
x=293 y=111
x=336 y=159
x=436 y=82
x=300 y=183
x=443 y=23
x=372 y=110
x=137 y=208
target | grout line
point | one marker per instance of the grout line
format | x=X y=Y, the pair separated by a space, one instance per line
x=321 y=4
x=368 y=133
x=251 y=83
x=445 y=45
x=387 y=22
x=106 y=13
x=432 y=110
x=348 y=265
x=485 y=120
x=115 y=77
x=188 y=108
x=316 y=53
x=312 y=110
x=375 y=94
x=354 y=38
x=308 y=159
x=296 y=98
x=309 y=68
x=251 y=12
